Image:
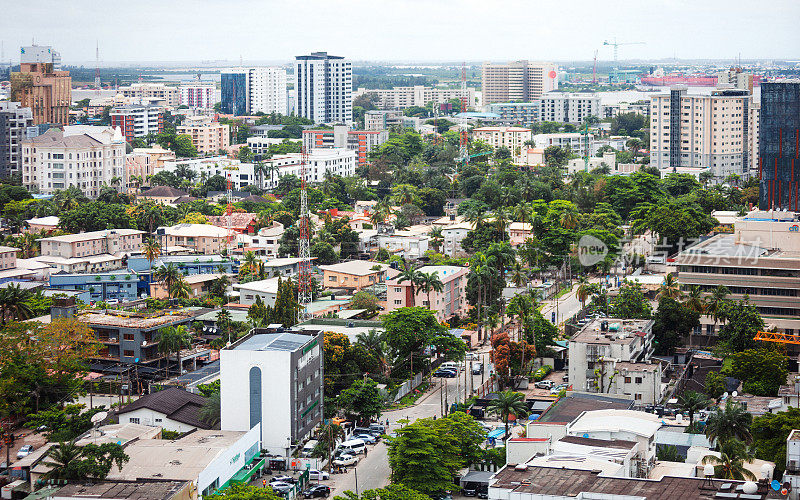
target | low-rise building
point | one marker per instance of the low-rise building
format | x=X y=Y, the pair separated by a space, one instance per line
x=199 y=238
x=512 y=138
x=172 y=409
x=266 y=290
x=337 y=161
x=360 y=141
x=383 y=120
x=41 y=224
x=516 y=113
x=269 y=239
x=518 y=232
x=208 y=135
x=121 y=286
x=273 y=381
x=199 y=285
x=137 y=120
x=108 y=241
x=411 y=246
x=240 y=222
x=81 y=265
x=575 y=141
x=8 y=258
x=240 y=174
x=451 y=301
x=117 y=490
x=187 y=264
x=353 y=275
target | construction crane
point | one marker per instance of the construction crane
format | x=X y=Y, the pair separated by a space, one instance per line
x=463 y=150
x=781 y=338
x=304 y=283
x=617 y=45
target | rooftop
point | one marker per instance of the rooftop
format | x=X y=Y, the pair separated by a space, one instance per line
x=620 y=331
x=195 y=230
x=176 y=404
x=274 y=342
x=567 y=409
x=50 y=220
x=355 y=267
x=283 y=261
x=264 y=286
x=163 y=192
x=92 y=235
x=636 y=422
x=122 y=490
x=123 y=319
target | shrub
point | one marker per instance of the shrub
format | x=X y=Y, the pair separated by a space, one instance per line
x=542 y=372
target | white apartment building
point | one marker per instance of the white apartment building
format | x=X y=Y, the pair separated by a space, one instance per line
x=208 y=135
x=14 y=120
x=268 y=90
x=337 y=161
x=324 y=87
x=240 y=174
x=150 y=91
x=259 y=145
x=513 y=138
x=360 y=141
x=418 y=95
x=198 y=95
x=612 y=356
x=717 y=131
x=275 y=380
x=137 y=120
x=575 y=141
x=566 y=107
x=382 y=120
x=517 y=81
x=82 y=156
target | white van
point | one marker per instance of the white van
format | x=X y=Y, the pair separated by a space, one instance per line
x=354 y=446
x=308 y=449
x=450 y=365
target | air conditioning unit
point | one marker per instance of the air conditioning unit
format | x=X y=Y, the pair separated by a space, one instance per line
x=794 y=464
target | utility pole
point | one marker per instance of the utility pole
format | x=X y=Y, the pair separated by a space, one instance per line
x=465 y=385
x=441 y=396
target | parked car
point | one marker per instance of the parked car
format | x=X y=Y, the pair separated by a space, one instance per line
x=477 y=369
x=469 y=490
x=345 y=460
x=445 y=495
x=367 y=438
x=445 y=373
x=379 y=428
x=281 y=488
x=316 y=491
x=25 y=451
x=544 y=384
x=282 y=479
x=558 y=388
x=318 y=475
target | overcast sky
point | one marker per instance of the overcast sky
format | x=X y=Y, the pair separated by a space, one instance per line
x=402 y=30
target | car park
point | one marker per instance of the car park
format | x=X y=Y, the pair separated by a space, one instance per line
x=282 y=489
x=469 y=490
x=316 y=491
x=558 y=388
x=25 y=451
x=544 y=384
x=318 y=475
x=345 y=460
x=379 y=428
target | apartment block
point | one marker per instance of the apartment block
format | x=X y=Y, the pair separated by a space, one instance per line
x=109 y=241
x=760 y=260
x=360 y=141
x=451 y=301
x=43 y=89
x=137 y=120
x=199 y=238
x=14 y=121
x=565 y=107
x=779 y=146
x=575 y=141
x=197 y=95
x=517 y=81
x=376 y=120
x=337 y=161
x=516 y=113
x=82 y=156
x=353 y=275
x=208 y=135
x=418 y=95
x=152 y=91
x=118 y=285
x=251 y=90
x=717 y=131
x=8 y=258
x=513 y=138
x=324 y=87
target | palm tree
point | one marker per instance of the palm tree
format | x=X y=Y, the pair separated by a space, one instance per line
x=476 y=216
x=250 y=262
x=731 y=421
x=14 y=302
x=210 y=413
x=173 y=339
x=375 y=342
x=519 y=275
x=669 y=288
x=430 y=282
x=152 y=250
x=716 y=304
x=730 y=463
x=584 y=290
x=523 y=212
x=437 y=238
x=569 y=219
x=179 y=289
x=64 y=460
x=694 y=300
x=501 y=221
x=691 y=401
x=508 y=402
x=168 y=274
x=414 y=278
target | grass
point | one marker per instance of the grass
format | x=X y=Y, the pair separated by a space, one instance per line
x=563 y=292
x=411 y=398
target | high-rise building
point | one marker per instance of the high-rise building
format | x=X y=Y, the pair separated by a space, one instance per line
x=137 y=120
x=324 y=86
x=779 y=166
x=568 y=108
x=14 y=120
x=149 y=92
x=198 y=95
x=82 y=156
x=736 y=78
x=208 y=136
x=517 y=81
x=40 y=54
x=718 y=131
x=248 y=91
x=362 y=141
x=45 y=90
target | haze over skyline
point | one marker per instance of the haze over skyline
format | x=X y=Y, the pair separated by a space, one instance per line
x=418 y=30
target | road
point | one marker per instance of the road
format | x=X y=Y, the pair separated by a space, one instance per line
x=373 y=470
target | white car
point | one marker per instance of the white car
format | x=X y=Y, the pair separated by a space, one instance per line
x=318 y=475
x=367 y=438
x=25 y=451
x=346 y=460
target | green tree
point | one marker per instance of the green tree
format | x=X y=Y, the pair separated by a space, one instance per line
x=15 y=303
x=243 y=491
x=729 y=422
x=71 y=462
x=364 y=300
x=630 y=303
x=95 y=216
x=508 y=403
x=422 y=459
x=174 y=339
x=691 y=402
x=409 y=330
x=362 y=399
x=414 y=277
x=210 y=413
x=63 y=423
x=672 y=321
x=715 y=384
x=743 y=322
x=730 y=463
x=762 y=371
x=324 y=252
x=770 y=432
x=391 y=492
x=668 y=453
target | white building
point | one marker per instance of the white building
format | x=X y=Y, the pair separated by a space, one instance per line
x=273 y=380
x=382 y=120
x=266 y=290
x=418 y=95
x=513 y=138
x=81 y=156
x=575 y=141
x=268 y=239
x=453 y=235
x=268 y=90
x=324 y=86
x=408 y=245
x=566 y=107
x=137 y=120
x=151 y=92
x=337 y=161
x=198 y=95
x=173 y=409
x=240 y=174
x=14 y=120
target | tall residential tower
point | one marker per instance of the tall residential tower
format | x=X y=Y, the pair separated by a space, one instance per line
x=517 y=81
x=324 y=86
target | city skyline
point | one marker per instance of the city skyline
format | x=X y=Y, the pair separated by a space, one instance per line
x=415 y=31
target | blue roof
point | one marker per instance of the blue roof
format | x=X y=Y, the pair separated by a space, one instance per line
x=475 y=114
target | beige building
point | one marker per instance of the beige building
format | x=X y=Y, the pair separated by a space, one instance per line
x=513 y=138
x=199 y=284
x=199 y=238
x=152 y=91
x=45 y=90
x=110 y=241
x=163 y=194
x=451 y=301
x=761 y=260
x=418 y=95
x=354 y=275
x=144 y=162
x=208 y=136
x=8 y=258
x=717 y=131
x=82 y=156
x=517 y=81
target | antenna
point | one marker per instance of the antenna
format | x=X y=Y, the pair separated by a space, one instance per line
x=304 y=284
x=463 y=147
x=97 y=69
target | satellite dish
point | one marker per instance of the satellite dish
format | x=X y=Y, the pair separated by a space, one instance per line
x=750 y=488
x=99 y=417
x=725 y=395
x=708 y=470
x=734 y=394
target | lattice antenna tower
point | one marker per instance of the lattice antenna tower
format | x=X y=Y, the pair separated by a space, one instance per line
x=463 y=150
x=97 y=69
x=304 y=284
x=229 y=213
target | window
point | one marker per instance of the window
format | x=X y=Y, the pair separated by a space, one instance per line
x=638 y=380
x=128 y=336
x=637 y=397
x=627 y=380
x=158 y=420
x=397 y=302
x=127 y=353
x=397 y=289
x=133 y=420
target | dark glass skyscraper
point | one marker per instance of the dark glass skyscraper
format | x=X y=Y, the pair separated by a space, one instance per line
x=234 y=93
x=779 y=138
